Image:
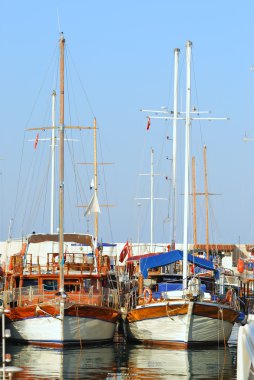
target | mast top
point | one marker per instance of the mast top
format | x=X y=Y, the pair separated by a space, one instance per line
x=62 y=37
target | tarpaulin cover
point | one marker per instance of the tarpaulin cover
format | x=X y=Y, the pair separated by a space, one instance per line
x=169 y=258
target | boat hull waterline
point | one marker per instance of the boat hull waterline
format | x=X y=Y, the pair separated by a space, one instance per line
x=181 y=324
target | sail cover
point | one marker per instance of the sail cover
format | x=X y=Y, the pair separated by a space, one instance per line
x=169 y=258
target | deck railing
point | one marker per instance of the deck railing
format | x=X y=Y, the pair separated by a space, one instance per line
x=31 y=295
x=73 y=262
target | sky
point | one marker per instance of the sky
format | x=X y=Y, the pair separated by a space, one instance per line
x=121 y=54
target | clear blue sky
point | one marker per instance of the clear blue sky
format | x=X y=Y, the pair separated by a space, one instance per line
x=123 y=54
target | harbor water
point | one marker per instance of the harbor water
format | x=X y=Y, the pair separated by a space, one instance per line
x=122 y=360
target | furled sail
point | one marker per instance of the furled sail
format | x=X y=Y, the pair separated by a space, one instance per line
x=93 y=205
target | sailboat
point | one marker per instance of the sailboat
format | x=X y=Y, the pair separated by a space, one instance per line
x=61 y=297
x=173 y=310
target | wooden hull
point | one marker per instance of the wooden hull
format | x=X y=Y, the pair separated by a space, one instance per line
x=60 y=325
x=181 y=324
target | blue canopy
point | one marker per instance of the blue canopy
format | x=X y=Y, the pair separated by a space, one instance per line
x=106 y=245
x=169 y=258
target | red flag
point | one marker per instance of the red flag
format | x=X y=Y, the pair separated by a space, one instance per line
x=148 y=123
x=125 y=251
x=36 y=141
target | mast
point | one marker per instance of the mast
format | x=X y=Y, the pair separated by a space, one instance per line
x=187 y=154
x=176 y=65
x=194 y=195
x=95 y=178
x=206 y=206
x=53 y=144
x=152 y=200
x=61 y=166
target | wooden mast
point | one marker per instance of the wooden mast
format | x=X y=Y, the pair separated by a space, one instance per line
x=61 y=166
x=206 y=194
x=53 y=145
x=206 y=206
x=95 y=164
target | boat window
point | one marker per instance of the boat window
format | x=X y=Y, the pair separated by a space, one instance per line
x=30 y=282
x=71 y=286
x=50 y=285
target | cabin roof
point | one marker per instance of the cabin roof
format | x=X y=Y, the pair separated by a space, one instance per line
x=73 y=238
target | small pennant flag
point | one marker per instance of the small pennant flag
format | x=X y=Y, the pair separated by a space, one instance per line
x=36 y=141
x=92 y=184
x=148 y=124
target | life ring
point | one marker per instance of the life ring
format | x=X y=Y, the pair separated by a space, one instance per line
x=148 y=295
x=229 y=296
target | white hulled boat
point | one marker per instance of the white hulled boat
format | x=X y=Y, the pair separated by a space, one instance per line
x=186 y=315
x=57 y=296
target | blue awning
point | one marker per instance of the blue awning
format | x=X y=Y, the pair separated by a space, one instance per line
x=169 y=258
x=106 y=245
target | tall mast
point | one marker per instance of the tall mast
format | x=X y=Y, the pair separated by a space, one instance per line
x=206 y=206
x=53 y=144
x=176 y=65
x=194 y=195
x=95 y=178
x=187 y=154
x=152 y=200
x=61 y=165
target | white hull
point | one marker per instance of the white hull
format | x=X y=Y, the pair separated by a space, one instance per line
x=245 y=352
x=59 y=326
x=164 y=330
x=155 y=324
x=207 y=330
x=72 y=330
x=159 y=330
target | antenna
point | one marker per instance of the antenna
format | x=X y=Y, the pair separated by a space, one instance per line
x=58 y=20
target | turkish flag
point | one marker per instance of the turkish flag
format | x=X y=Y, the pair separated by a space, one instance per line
x=125 y=251
x=36 y=141
x=148 y=124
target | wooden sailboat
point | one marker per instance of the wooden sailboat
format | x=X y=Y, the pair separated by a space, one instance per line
x=60 y=298
x=179 y=313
